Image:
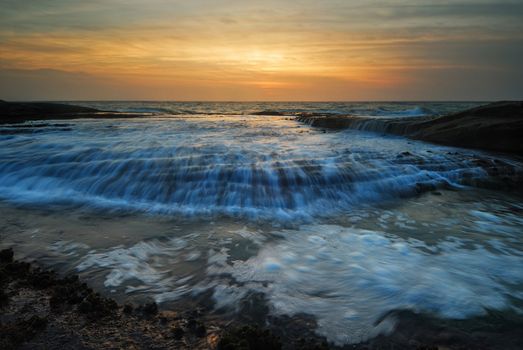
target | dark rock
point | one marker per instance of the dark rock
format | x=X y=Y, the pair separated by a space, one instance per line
x=311 y=344
x=67 y=294
x=496 y=127
x=4 y=275
x=150 y=309
x=178 y=333
x=128 y=309
x=12 y=335
x=17 y=269
x=422 y=187
x=94 y=304
x=4 y=298
x=73 y=279
x=6 y=256
x=269 y=112
x=197 y=328
x=42 y=279
x=249 y=338
x=18 y=112
x=404 y=154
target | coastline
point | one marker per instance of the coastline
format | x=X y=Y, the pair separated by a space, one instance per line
x=20 y=112
x=41 y=310
x=61 y=311
x=496 y=127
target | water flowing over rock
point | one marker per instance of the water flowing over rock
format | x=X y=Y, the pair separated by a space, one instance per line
x=497 y=127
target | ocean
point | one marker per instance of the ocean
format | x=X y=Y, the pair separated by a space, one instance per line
x=212 y=204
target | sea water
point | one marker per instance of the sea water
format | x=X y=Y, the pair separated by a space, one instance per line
x=213 y=203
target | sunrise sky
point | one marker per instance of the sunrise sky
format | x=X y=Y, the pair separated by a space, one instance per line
x=261 y=50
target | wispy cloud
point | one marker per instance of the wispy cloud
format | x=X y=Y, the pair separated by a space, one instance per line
x=271 y=49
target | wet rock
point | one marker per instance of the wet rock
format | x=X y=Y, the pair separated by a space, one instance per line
x=422 y=187
x=17 y=269
x=150 y=309
x=167 y=316
x=18 y=112
x=12 y=335
x=269 y=112
x=66 y=294
x=196 y=327
x=249 y=338
x=3 y=275
x=6 y=256
x=178 y=333
x=4 y=298
x=95 y=304
x=128 y=309
x=497 y=127
x=311 y=344
x=73 y=279
x=42 y=279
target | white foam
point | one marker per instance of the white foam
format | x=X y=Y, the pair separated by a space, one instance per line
x=214 y=168
x=348 y=278
x=147 y=263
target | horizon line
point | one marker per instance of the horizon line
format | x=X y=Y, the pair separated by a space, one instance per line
x=262 y=101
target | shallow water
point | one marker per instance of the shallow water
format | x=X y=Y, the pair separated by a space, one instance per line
x=213 y=208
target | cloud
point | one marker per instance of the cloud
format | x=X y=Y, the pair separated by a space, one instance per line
x=253 y=49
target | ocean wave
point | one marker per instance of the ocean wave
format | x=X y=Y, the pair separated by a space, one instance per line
x=377 y=109
x=416 y=111
x=268 y=189
x=349 y=279
x=253 y=168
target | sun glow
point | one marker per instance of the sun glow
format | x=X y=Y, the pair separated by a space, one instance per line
x=248 y=51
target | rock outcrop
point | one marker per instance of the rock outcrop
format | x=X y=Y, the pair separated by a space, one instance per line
x=496 y=127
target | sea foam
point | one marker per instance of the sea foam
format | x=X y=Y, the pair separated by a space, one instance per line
x=256 y=168
x=347 y=278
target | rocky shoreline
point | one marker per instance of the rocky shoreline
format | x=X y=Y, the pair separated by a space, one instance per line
x=19 y=112
x=495 y=127
x=41 y=310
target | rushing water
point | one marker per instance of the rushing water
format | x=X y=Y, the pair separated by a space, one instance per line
x=210 y=203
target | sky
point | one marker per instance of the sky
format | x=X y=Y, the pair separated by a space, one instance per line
x=249 y=50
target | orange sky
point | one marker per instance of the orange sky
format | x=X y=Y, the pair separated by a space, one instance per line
x=261 y=50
